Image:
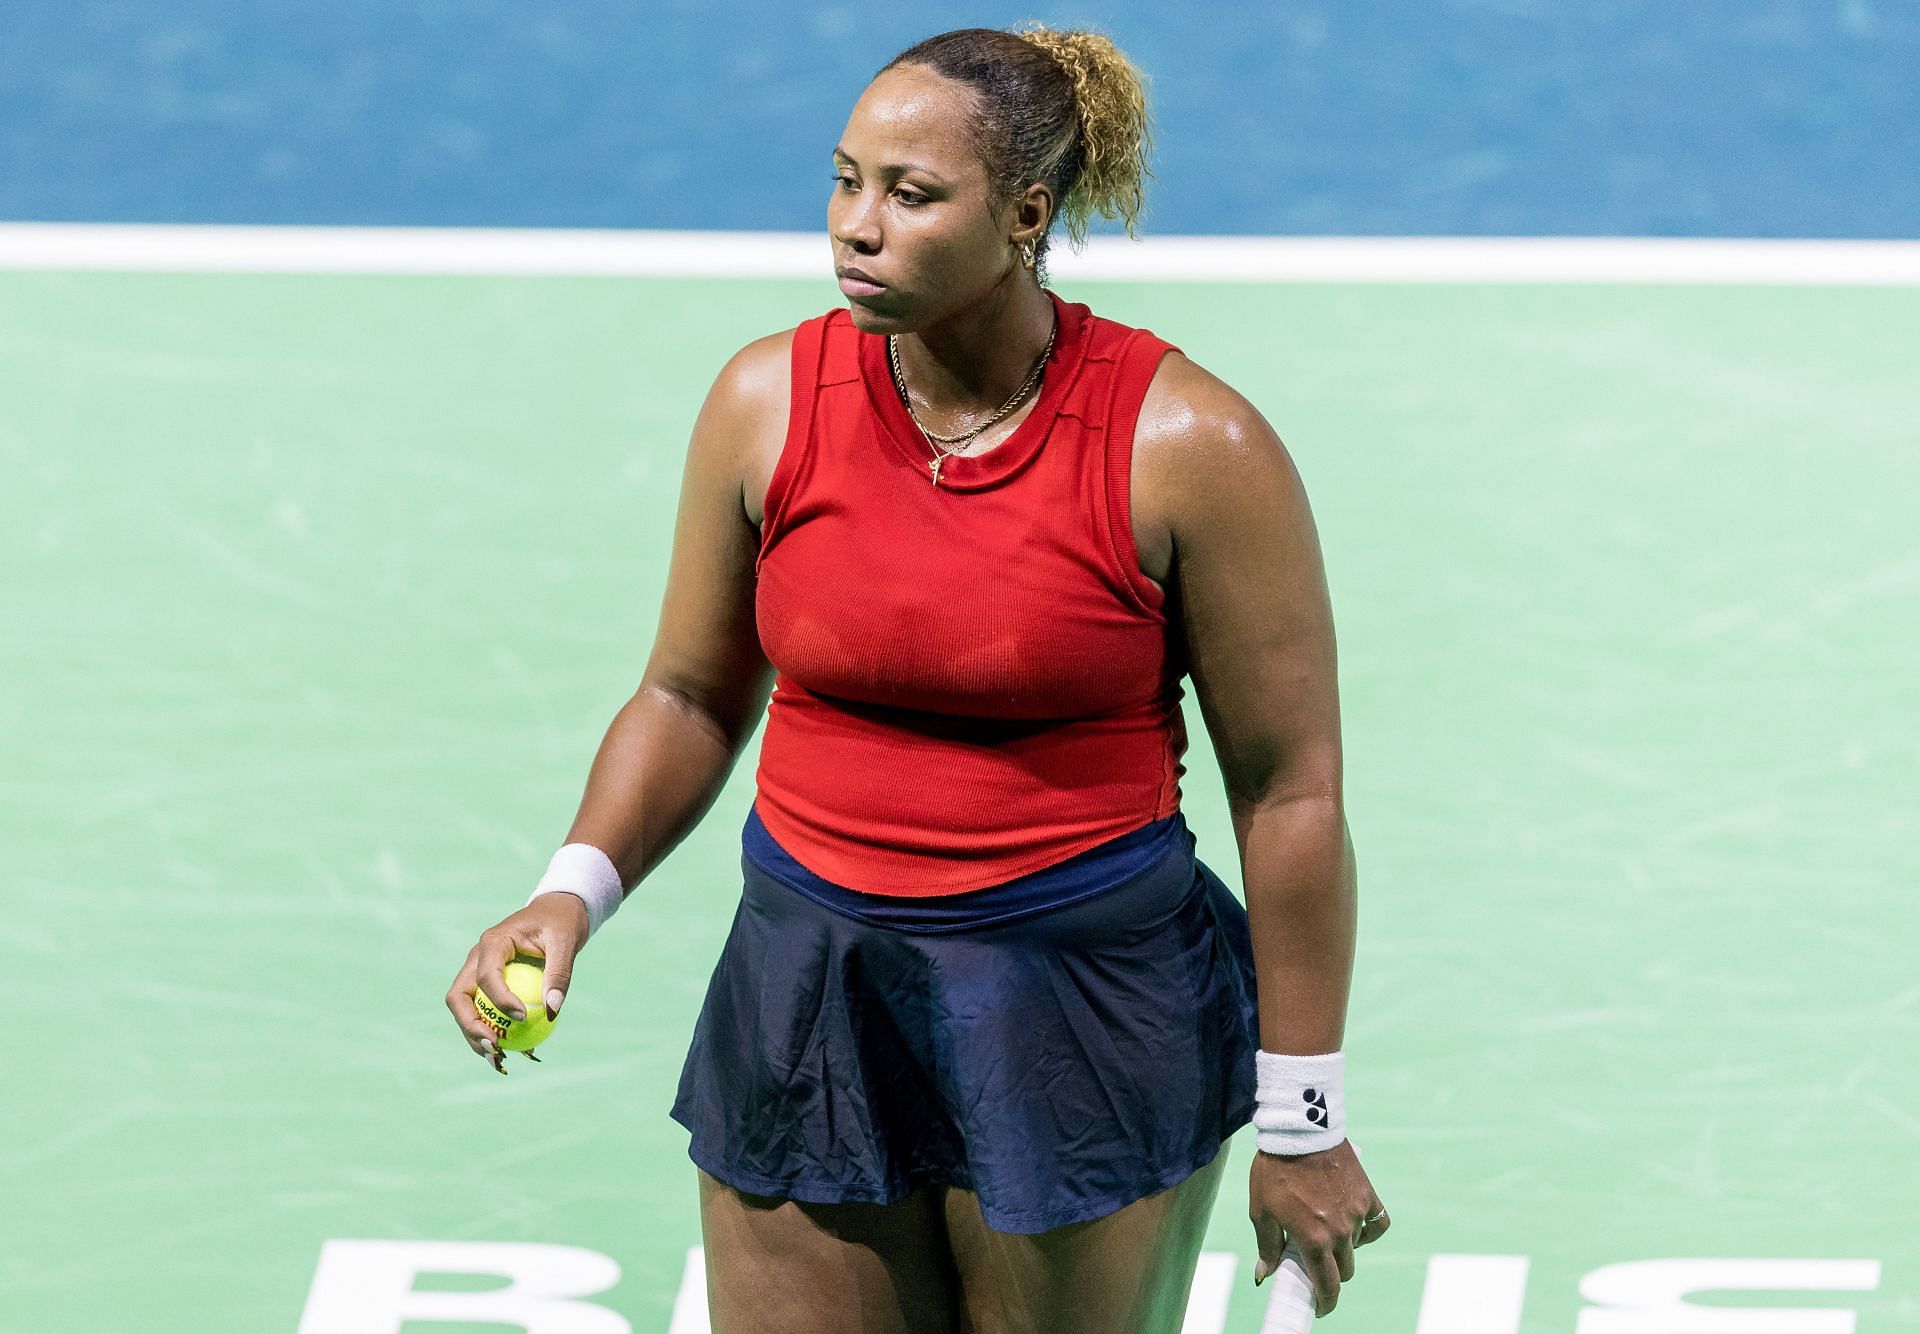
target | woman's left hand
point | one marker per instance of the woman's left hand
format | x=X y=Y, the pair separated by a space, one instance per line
x=1323 y=1202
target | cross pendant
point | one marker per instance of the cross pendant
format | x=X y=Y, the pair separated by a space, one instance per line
x=935 y=466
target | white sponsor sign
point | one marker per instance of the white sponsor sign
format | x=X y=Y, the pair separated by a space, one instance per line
x=367 y=1287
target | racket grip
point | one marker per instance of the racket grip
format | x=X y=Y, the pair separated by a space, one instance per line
x=1290 y=1309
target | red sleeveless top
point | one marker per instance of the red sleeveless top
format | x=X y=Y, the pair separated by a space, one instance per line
x=975 y=680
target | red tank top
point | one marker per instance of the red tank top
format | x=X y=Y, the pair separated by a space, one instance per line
x=975 y=680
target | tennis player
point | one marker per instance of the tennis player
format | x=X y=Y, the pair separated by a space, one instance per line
x=984 y=1021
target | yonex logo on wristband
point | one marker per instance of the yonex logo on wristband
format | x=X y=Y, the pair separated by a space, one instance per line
x=1316 y=1106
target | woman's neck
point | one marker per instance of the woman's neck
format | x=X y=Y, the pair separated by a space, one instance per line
x=972 y=362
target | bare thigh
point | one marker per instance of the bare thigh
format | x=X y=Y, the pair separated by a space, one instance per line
x=776 y=1266
x=1129 y=1271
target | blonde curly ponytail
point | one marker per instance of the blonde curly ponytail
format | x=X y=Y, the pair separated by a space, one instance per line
x=1110 y=95
x=1060 y=106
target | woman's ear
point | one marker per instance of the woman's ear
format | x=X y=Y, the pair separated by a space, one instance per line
x=1032 y=212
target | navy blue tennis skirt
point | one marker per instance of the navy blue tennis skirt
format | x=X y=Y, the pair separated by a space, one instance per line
x=1062 y=1044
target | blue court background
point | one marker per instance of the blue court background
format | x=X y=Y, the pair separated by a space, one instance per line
x=1417 y=117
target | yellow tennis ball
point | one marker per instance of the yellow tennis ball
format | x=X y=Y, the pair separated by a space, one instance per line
x=524 y=979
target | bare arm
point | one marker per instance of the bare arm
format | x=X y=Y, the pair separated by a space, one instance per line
x=1259 y=634
x=672 y=746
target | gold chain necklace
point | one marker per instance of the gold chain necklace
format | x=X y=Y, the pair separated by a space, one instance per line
x=941 y=455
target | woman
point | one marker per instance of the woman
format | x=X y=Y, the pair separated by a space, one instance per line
x=983 y=1021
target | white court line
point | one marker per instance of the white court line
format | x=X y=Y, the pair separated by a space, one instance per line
x=98 y=247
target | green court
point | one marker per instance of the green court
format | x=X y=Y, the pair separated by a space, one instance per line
x=320 y=592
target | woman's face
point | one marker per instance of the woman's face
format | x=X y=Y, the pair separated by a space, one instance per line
x=911 y=208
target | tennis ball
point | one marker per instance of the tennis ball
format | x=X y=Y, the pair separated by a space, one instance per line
x=523 y=976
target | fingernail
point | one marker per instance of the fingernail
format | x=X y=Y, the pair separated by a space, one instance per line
x=1260 y=1272
x=554 y=997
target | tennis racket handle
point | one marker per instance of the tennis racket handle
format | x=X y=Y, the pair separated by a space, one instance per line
x=1290 y=1309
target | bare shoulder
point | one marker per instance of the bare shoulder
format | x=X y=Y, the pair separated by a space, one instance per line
x=758 y=375
x=1255 y=610
x=1205 y=458
x=743 y=422
x=707 y=648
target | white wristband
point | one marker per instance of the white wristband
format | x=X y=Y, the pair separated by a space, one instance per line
x=588 y=874
x=1299 y=1104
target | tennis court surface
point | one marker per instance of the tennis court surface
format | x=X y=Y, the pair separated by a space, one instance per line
x=321 y=590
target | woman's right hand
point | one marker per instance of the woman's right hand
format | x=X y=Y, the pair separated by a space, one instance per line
x=553 y=926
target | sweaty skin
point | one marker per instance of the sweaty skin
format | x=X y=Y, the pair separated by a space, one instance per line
x=1221 y=523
